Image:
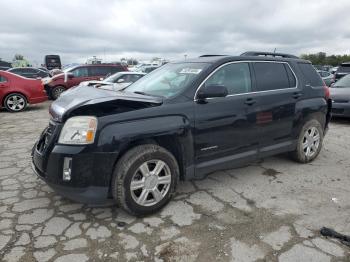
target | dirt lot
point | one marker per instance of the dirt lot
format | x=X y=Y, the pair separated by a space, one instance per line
x=267 y=211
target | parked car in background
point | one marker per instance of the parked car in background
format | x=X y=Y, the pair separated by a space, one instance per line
x=342 y=70
x=73 y=76
x=52 y=62
x=340 y=95
x=148 y=69
x=182 y=121
x=326 y=76
x=116 y=82
x=333 y=70
x=16 y=92
x=29 y=72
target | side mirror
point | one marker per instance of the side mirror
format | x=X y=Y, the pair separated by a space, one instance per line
x=120 y=80
x=208 y=91
x=70 y=75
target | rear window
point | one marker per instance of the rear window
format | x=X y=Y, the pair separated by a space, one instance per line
x=312 y=77
x=271 y=76
x=344 y=68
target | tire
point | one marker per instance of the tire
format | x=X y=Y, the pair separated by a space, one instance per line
x=15 y=102
x=57 y=91
x=143 y=200
x=309 y=142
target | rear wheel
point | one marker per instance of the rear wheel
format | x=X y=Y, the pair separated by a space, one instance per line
x=15 y=102
x=145 y=179
x=57 y=91
x=309 y=142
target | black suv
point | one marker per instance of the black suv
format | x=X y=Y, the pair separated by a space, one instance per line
x=343 y=70
x=182 y=121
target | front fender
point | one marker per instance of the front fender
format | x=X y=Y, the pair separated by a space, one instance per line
x=118 y=137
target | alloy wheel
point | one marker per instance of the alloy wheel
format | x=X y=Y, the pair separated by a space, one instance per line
x=57 y=92
x=15 y=103
x=311 y=141
x=150 y=183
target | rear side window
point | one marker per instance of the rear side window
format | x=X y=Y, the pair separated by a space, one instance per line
x=312 y=77
x=272 y=76
x=2 y=79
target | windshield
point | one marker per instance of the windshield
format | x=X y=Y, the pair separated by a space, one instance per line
x=168 y=80
x=343 y=82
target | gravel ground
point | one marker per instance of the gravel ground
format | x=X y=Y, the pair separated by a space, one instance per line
x=267 y=211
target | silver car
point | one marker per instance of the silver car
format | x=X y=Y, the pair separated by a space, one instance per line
x=340 y=95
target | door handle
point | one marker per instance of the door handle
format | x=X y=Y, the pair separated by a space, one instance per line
x=250 y=101
x=296 y=95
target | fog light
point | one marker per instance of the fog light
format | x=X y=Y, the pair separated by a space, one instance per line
x=67 y=168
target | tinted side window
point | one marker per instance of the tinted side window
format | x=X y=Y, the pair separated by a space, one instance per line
x=99 y=71
x=291 y=76
x=3 y=79
x=312 y=77
x=235 y=77
x=271 y=76
x=80 y=72
x=116 y=69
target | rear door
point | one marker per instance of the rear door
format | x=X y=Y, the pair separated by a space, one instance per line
x=276 y=97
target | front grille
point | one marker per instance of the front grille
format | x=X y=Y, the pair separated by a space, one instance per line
x=338 y=111
x=46 y=138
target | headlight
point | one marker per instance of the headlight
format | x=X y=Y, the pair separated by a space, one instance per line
x=79 y=130
x=46 y=80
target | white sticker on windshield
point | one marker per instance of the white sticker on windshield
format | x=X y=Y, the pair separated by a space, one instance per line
x=190 y=71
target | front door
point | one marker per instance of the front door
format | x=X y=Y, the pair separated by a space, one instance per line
x=225 y=128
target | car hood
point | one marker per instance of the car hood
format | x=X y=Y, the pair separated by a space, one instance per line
x=338 y=93
x=81 y=96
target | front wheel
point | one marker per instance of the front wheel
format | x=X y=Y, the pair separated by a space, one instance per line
x=57 y=91
x=145 y=179
x=309 y=143
x=15 y=102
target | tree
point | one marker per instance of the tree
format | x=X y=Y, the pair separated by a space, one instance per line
x=321 y=58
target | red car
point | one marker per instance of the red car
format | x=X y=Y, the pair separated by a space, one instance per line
x=16 y=92
x=73 y=76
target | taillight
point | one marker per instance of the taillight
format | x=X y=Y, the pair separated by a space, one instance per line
x=326 y=92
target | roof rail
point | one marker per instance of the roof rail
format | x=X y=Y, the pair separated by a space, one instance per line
x=257 y=53
x=211 y=55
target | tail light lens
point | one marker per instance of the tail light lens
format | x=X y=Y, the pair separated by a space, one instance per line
x=326 y=92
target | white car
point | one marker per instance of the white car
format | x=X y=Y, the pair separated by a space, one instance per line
x=117 y=81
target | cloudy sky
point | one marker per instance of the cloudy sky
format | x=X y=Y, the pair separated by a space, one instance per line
x=79 y=29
